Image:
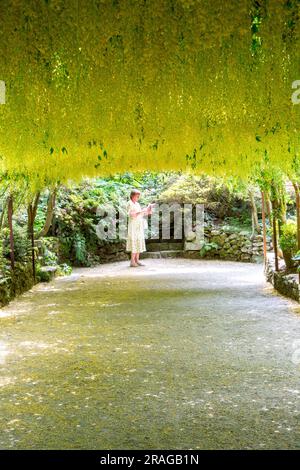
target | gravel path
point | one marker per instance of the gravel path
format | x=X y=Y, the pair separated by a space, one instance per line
x=180 y=354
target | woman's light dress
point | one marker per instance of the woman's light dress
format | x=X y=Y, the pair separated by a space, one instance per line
x=136 y=237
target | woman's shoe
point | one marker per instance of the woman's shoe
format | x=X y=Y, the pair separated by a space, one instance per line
x=140 y=264
x=133 y=265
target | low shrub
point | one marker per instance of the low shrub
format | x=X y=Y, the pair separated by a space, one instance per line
x=288 y=243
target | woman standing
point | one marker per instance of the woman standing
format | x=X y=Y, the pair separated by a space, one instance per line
x=136 y=237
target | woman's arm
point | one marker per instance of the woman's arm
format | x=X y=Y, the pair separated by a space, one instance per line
x=143 y=211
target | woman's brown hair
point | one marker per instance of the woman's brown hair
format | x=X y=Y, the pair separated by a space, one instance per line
x=133 y=192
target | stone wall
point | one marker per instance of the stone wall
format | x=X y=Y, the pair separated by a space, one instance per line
x=227 y=243
x=109 y=252
x=15 y=283
x=105 y=252
x=286 y=284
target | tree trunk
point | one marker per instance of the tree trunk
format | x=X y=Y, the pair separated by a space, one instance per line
x=263 y=214
x=269 y=212
x=2 y=214
x=269 y=209
x=272 y=220
x=11 y=233
x=31 y=211
x=31 y=236
x=255 y=224
x=279 y=218
x=49 y=216
x=275 y=242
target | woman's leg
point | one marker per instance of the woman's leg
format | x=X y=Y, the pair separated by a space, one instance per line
x=133 y=259
x=137 y=260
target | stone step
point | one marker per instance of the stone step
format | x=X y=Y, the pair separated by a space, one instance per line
x=172 y=253
x=164 y=246
x=162 y=254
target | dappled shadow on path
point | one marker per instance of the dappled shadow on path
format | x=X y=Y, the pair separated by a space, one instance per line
x=176 y=354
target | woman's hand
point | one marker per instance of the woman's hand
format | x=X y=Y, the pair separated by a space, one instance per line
x=135 y=214
x=149 y=209
x=143 y=212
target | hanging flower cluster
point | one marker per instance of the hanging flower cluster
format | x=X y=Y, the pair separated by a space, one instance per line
x=107 y=86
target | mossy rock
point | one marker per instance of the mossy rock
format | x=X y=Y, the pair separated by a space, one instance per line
x=46 y=273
